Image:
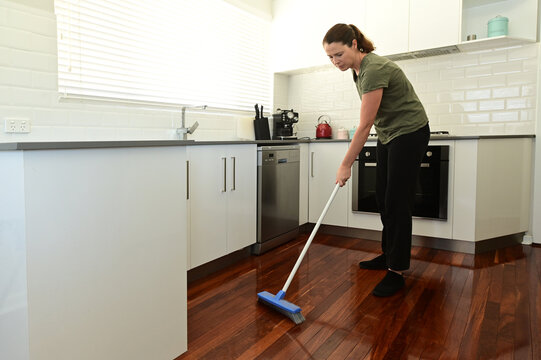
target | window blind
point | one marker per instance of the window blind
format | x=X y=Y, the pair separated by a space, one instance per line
x=171 y=52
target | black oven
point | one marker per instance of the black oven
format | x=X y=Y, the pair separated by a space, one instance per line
x=432 y=186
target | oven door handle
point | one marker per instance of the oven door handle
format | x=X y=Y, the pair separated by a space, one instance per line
x=370 y=164
x=425 y=165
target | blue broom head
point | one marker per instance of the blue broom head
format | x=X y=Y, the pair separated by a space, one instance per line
x=278 y=301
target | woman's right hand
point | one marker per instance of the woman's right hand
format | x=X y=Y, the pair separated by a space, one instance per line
x=342 y=175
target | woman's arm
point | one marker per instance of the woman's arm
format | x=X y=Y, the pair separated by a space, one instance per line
x=369 y=108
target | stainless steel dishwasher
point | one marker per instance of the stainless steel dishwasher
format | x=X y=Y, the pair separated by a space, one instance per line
x=277 y=196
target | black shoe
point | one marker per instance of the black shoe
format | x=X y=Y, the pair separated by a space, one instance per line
x=391 y=283
x=377 y=263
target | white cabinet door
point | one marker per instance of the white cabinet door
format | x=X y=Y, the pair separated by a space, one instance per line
x=242 y=196
x=207 y=203
x=222 y=200
x=324 y=161
x=387 y=25
x=434 y=23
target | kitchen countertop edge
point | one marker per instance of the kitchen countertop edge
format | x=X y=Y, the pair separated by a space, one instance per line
x=58 y=145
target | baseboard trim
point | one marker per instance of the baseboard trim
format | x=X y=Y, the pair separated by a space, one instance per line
x=217 y=264
x=468 y=247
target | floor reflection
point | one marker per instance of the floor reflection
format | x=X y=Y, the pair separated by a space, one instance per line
x=454 y=306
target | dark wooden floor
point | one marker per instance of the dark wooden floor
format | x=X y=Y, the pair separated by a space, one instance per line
x=454 y=306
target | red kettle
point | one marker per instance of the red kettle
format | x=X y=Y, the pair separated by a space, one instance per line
x=323 y=129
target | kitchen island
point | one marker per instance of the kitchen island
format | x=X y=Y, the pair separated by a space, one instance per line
x=93 y=251
x=95 y=235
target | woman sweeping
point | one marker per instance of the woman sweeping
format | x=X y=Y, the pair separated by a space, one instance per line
x=389 y=103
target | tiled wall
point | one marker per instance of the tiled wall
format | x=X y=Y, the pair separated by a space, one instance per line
x=482 y=92
x=28 y=89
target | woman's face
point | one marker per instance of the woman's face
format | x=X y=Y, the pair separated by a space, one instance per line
x=341 y=55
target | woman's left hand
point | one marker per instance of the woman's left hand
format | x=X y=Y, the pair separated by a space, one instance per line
x=342 y=175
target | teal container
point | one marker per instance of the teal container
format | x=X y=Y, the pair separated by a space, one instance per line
x=498 y=26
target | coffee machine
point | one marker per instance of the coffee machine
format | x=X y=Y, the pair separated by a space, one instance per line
x=282 y=124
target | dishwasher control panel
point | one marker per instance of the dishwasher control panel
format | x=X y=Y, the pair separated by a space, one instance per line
x=272 y=155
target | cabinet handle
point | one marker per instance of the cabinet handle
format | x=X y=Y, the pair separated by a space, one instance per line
x=187 y=179
x=312 y=164
x=234 y=173
x=224 y=189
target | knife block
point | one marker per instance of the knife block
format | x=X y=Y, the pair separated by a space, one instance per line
x=261 y=129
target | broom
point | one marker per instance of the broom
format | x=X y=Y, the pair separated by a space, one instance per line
x=277 y=301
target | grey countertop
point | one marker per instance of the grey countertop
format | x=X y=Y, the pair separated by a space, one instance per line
x=57 y=145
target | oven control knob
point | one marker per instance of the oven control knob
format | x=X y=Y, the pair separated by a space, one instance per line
x=429 y=153
x=367 y=154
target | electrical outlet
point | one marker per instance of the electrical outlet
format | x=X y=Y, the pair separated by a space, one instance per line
x=17 y=125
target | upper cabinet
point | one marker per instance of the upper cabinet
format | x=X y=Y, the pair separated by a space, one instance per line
x=389 y=36
x=400 y=26
x=433 y=23
x=413 y=28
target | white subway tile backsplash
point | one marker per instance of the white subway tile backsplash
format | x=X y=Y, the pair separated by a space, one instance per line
x=15 y=39
x=448 y=119
x=530 y=65
x=520 y=103
x=15 y=77
x=465 y=60
x=44 y=44
x=462 y=107
x=476 y=71
x=451 y=74
x=477 y=117
x=521 y=78
x=505 y=116
x=438 y=109
x=49 y=117
x=44 y=80
x=518 y=129
x=42 y=23
x=523 y=53
x=451 y=96
x=437 y=86
x=426 y=76
x=508 y=67
x=491 y=105
x=464 y=84
x=478 y=94
x=506 y=92
x=492 y=81
x=491 y=129
x=30 y=97
x=493 y=57
x=5 y=56
x=30 y=60
x=527 y=115
x=528 y=90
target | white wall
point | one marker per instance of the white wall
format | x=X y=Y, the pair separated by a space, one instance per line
x=28 y=88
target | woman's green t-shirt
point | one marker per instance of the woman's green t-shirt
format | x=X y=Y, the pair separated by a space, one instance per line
x=400 y=111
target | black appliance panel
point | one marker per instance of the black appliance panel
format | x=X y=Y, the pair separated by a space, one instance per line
x=432 y=186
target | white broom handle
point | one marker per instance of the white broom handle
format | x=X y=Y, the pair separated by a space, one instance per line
x=312 y=235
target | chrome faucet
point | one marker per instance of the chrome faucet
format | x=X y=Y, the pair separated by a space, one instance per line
x=183 y=130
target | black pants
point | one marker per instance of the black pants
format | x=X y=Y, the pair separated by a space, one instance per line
x=398 y=167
